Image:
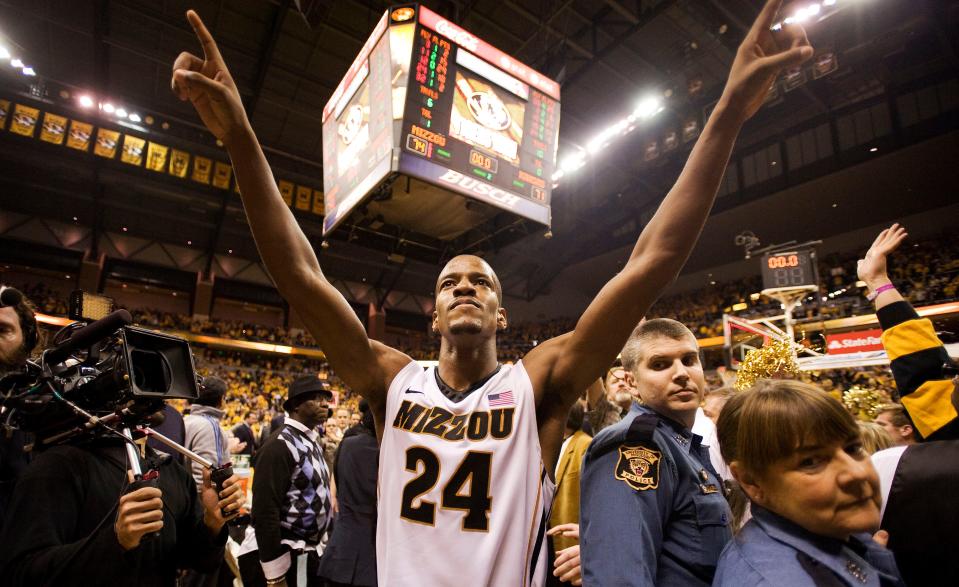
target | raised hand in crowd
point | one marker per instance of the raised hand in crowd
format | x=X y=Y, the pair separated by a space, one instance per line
x=872 y=267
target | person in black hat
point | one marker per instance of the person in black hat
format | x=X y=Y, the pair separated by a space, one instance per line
x=291 y=493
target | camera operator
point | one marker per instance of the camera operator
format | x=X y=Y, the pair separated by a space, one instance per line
x=73 y=522
x=19 y=336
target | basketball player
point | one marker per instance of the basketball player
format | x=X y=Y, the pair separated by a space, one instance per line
x=467 y=447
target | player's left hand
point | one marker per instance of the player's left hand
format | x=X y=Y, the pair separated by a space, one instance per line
x=230 y=500
x=568 y=567
x=760 y=58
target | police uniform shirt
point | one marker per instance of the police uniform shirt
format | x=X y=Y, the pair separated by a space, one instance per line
x=651 y=509
x=771 y=551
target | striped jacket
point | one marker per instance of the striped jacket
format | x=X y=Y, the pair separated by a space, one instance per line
x=917 y=356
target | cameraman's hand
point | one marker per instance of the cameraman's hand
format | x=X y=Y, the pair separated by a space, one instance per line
x=208 y=85
x=140 y=513
x=230 y=500
x=760 y=58
x=872 y=268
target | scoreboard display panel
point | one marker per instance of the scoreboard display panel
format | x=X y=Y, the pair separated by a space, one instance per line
x=789 y=269
x=478 y=122
x=429 y=100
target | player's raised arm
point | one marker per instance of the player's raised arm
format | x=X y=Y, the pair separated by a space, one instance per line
x=666 y=242
x=364 y=365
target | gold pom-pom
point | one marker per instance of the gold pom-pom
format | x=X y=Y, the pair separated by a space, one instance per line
x=774 y=360
x=864 y=403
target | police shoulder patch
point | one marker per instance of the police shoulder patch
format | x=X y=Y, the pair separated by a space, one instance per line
x=638 y=466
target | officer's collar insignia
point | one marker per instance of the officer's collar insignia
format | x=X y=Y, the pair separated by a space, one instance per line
x=638 y=467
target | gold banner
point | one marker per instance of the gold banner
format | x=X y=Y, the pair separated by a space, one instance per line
x=179 y=162
x=132 y=150
x=318 y=202
x=156 y=156
x=221 y=175
x=286 y=190
x=304 y=197
x=4 y=109
x=79 y=136
x=53 y=129
x=24 y=120
x=106 y=143
x=201 y=169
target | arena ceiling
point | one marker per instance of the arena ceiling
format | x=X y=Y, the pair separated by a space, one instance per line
x=606 y=54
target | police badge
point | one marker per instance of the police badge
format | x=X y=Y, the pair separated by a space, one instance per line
x=638 y=466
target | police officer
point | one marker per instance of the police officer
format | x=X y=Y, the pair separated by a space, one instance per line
x=652 y=509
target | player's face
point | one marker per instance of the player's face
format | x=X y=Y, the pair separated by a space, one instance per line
x=467 y=299
x=11 y=341
x=669 y=377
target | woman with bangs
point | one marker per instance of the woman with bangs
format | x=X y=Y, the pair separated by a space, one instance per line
x=798 y=455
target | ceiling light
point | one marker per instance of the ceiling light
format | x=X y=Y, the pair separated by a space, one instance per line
x=107 y=107
x=16 y=63
x=828 y=2
x=85 y=101
x=573 y=162
x=28 y=71
x=874 y=149
x=648 y=107
x=121 y=113
x=558 y=175
x=134 y=117
x=4 y=53
x=124 y=229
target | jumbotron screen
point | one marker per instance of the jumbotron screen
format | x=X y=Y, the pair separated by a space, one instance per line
x=466 y=118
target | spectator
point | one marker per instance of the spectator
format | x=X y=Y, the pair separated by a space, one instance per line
x=895 y=421
x=245 y=434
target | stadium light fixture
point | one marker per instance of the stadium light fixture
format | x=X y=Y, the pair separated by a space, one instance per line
x=648 y=107
x=121 y=113
x=18 y=63
x=107 y=107
x=85 y=101
x=573 y=162
x=134 y=117
x=28 y=71
x=4 y=52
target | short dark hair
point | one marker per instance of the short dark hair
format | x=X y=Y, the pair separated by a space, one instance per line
x=574 y=421
x=212 y=390
x=774 y=417
x=27 y=316
x=632 y=353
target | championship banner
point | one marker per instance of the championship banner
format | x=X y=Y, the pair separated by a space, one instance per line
x=53 y=129
x=4 y=109
x=201 y=169
x=286 y=190
x=24 y=120
x=106 y=143
x=221 y=175
x=318 y=202
x=179 y=162
x=156 y=156
x=304 y=197
x=132 y=150
x=79 y=136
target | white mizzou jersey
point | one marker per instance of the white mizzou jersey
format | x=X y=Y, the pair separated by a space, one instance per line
x=463 y=494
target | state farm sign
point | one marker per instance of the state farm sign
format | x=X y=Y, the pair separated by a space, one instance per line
x=854 y=342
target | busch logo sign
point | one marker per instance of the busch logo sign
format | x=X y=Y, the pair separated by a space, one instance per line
x=481 y=189
x=854 y=342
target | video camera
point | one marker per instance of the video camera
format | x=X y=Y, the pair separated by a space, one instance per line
x=101 y=374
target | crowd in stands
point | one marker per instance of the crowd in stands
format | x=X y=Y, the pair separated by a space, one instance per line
x=928 y=270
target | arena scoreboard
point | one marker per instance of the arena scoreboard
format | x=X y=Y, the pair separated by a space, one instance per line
x=428 y=118
x=789 y=269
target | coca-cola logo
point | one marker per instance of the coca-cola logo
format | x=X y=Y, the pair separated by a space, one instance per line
x=457 y=35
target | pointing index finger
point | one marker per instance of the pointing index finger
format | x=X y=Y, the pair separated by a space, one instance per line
x=766 y=16
x=210 y=51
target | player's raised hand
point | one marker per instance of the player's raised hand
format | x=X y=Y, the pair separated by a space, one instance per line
x=207 y=84
x=760 y=58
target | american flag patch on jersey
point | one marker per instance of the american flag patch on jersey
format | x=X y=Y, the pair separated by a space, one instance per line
x=500 y=399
